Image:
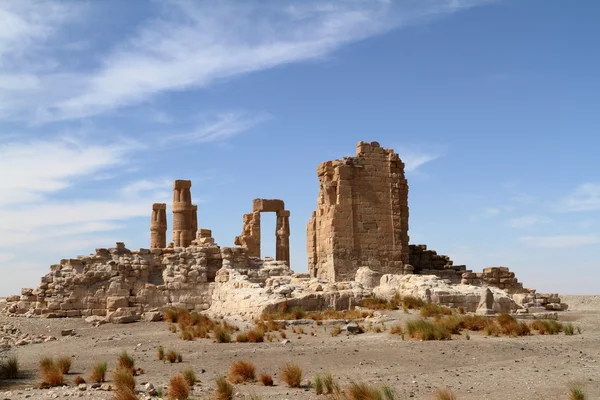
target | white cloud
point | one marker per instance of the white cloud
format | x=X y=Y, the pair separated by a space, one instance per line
x=526 y=221
x=560 y=241
x=220 y=127
x=41 y=166
x=586 y=197
x=414 y=158
x=189 y=45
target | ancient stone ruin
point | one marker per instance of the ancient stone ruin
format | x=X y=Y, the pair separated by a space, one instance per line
x=358 y=246
x=250 y=237
x=361 y=217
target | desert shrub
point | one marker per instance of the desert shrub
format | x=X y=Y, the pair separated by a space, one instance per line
x=363 y=391
x=291 y=374
x=172 y=328
x=124 y=394
x=318 y=384
x=190 y=376
x=256 y=335
x=123 y=378
x=160 y=353
x=78 y=380
x=170 y=315
x=126 y=361
x=473 y=322
x=221 y=335
x=241 y=337
x=544 y=326
x=451 y=323
x=242 y=371
x=430 y=310
x=569 y=329
x=444 y=394
x=224 y=390
x=282 y=335
x=376 y=303
x=412 y=302
x=187 y=334
x=426 y=330
x=98 y=373
x=576 y=392
x=64 y=363
x=266 y=379
x=9 y=368
x=396 y=329
x=51 y=372
x=179 y=357
x=461 y=310
x=179 y=388
x=330 y=383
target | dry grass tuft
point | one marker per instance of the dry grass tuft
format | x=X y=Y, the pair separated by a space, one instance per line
x=9 y=368
x=51 y=372
x=426 y=330
x=123 y=379
x=431 y=310
x=179 y=389
x=126 y=361
x=549 y=327
x=330 y=384
x=221 y=335
x=336 y=330
x=172 y=356
x=576 y=392
x=266 y=379
x=444 y=394
x=160 y=353
x=224 y=390
x=64 y=363
x=376 y=303
x=396 y=330
x=363 y=391
x=98 y=374
x=190 y=376
x=78 y=380
x=411 y=302
x=242 y=371
x=291 y=374
x=124 y=394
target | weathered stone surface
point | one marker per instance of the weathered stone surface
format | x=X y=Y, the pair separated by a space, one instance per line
x=438 y=291
x=235 y=294
x=486 y=303
x=185 y=221
x=368 y=278
x=158 y=226
x=361 y=217
x=250 y=237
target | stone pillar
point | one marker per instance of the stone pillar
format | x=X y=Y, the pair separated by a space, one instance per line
x=158 y=226
x=182 y=214
x=282 y=241
x=194 y=221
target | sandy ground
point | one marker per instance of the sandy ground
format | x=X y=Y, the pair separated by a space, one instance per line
x=532 y=367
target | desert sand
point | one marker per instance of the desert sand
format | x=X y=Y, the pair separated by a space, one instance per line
x=531 y=367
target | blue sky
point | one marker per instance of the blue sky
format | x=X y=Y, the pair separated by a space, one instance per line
x=491 y=104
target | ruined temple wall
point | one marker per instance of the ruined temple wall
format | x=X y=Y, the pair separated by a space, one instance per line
x=361 y=217
x=130 y=281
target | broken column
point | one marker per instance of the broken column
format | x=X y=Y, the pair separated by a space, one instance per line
x=183 y=212
x=158 y=226
x=282 y=238
x=361 y=217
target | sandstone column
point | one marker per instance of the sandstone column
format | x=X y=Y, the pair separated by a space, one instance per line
x=194 y=222
x=158 y=226
x=282 y=241
x=182 y=214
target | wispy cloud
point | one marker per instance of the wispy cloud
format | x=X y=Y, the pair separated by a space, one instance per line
x=527 y=221
x=585 y=197
x=560 y=241
x=414 y=158
x=220 y=127
x=190 y=44
x=36 y=167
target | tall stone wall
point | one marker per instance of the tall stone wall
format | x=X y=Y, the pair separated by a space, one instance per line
x=361 y=217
